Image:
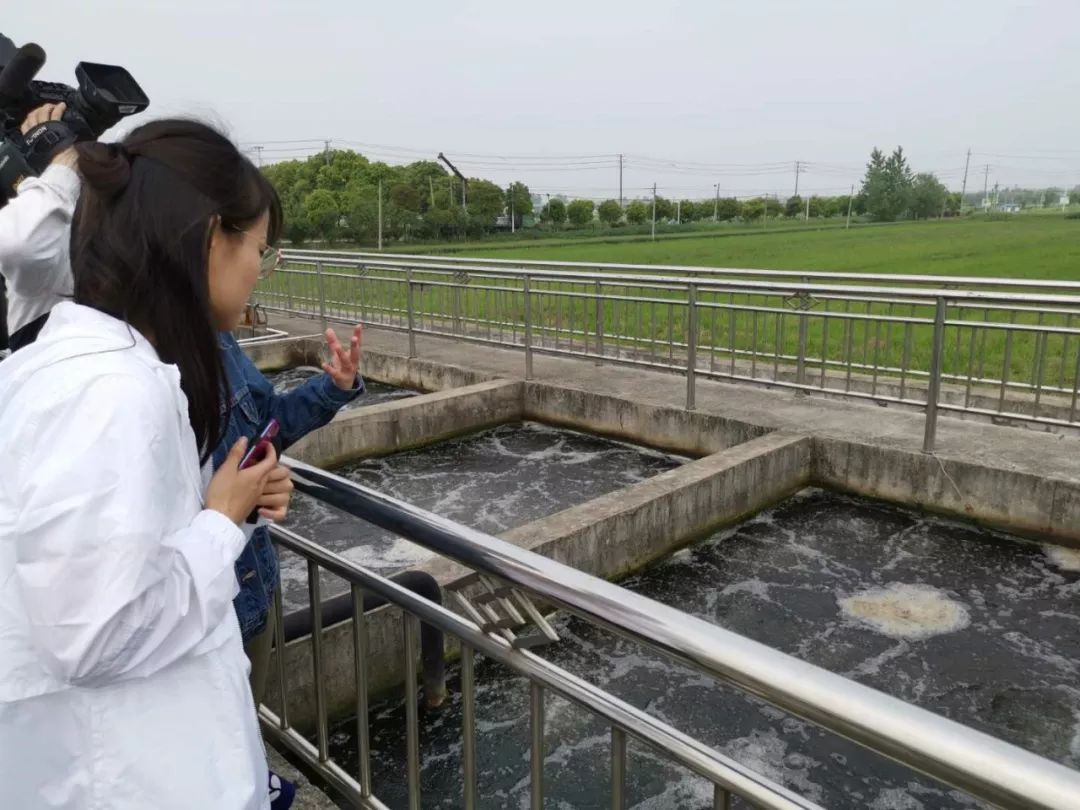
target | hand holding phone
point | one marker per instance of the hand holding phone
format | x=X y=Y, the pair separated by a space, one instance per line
x=261 y=443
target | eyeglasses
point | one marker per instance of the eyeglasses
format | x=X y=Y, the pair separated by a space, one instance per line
x=268 y=262
x=269 y=258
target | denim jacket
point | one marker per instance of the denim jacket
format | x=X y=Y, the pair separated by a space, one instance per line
x=251 y=403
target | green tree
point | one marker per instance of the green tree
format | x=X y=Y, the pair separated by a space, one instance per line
x=665 y=209
x=484 y=201
x=610 y=212
x=687 y=211
x=820 y=206
x=727 y=209
x=753 y=209
x=927 y=197
x=1074 y=197
x=519 y=200
x=554 y=212
x=794 y=206
x=637 y=212
x=322 y=213
x=406 y=197
x=580 y=213
x=773 y=207
x=887 y=185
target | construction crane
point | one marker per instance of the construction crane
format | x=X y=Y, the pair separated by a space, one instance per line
x=461 y=177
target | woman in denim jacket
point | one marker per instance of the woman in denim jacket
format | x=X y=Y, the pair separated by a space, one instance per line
x=253 y=402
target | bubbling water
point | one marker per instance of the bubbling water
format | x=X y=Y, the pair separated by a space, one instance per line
x=906 y=611
x=1067 y=559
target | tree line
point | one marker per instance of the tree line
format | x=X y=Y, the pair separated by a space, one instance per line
x=335 y=196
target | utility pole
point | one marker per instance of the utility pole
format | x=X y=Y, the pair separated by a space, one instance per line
x=765 y=211
x=512 y=226
x=620 y=181
x=326 y=151
x=986 y=187
x=716 y=205
x=431 y=188
x=963 y=186
x=258 y=155
x=380 y=213
x=850 y=200
x=797 y=171
x=654 y=211
x=807 y=217
x=678 y=212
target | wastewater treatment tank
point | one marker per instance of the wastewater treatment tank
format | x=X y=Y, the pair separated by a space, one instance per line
x=980 y=627
x=493 y=480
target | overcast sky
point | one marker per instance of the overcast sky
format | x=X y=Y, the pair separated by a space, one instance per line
x=551 y=91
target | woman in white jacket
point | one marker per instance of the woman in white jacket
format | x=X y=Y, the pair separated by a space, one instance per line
x=123 y=682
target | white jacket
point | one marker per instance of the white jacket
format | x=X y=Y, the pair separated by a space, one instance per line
x=123 y=681
x=35 y=244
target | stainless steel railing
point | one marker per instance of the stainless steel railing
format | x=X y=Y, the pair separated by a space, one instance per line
x=981 y=766
x=982 y=351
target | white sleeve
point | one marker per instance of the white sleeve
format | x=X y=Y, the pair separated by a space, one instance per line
x=115 y=579
x=35 y=231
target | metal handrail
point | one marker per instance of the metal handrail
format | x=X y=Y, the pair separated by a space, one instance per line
x=948 y=282
x=507 y=306
x=723 y=771
x=981 y=765
x=727 y=285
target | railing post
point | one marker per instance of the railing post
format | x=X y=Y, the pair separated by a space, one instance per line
x=322 y=294
x=691 y=345
x=528 y=331
x=933 y=391
x=410 y=312
x=599 y=326
x=804 y=305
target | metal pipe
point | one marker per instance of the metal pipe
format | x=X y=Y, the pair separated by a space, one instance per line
x=982 y=765
x=691 y=345
x=317 y=661
x=412 y=720
x=411 y=312
x=536 y=754
x=322 y=294
x=618 y=769
x=933 y=392
x=468 y=726
x=528 y=331
x=360 y=675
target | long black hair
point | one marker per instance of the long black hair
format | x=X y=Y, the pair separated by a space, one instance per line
x=141 y=237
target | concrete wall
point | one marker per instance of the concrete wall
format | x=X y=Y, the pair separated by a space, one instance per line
x=1038 y=506
x=390 y=427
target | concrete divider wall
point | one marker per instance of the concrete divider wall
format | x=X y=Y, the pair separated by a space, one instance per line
x=1037 y=506
x=391 y=427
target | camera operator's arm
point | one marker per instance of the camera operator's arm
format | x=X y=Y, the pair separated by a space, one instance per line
x=35 y=226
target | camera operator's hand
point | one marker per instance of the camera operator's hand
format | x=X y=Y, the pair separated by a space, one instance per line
x=44 y=114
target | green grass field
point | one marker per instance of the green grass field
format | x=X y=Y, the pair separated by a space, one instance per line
x=865 y=334
x=1024 y=246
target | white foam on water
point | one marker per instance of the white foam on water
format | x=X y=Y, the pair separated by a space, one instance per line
x=895 y=799
x=764 y=752
x=901 y=610
x=1067 y=559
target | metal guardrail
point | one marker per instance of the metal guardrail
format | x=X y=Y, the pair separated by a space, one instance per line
x=1012 y=354
x=975 y=763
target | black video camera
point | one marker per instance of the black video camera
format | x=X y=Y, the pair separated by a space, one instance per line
x=106 y=93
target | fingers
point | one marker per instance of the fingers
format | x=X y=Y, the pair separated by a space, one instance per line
x=332 y=342
x=354 y=345
x=236 y=453
x=264 y=468
x=276 y=515
x=46 y=112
